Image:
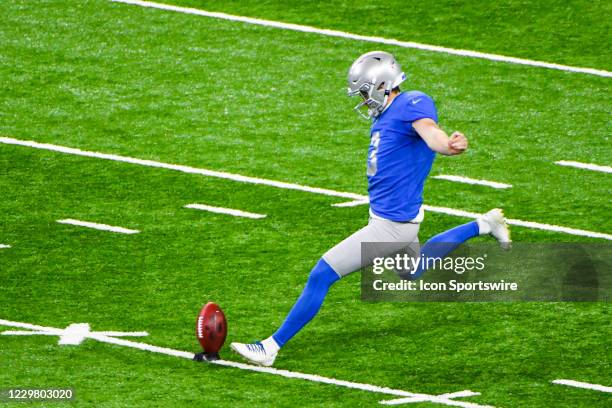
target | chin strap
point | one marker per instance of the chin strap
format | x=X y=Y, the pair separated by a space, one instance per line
x=387 y=93
x=384 y=104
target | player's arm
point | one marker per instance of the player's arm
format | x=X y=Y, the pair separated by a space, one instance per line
x=438 y=140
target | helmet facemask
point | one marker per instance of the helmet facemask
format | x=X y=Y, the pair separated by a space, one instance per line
x=372 y=76
x=373 y=100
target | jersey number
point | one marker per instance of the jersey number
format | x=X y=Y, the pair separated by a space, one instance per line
x=372 y=159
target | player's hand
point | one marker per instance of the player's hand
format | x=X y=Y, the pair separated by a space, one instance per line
x=457 y=143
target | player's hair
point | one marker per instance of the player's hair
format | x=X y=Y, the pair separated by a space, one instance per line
x=396 y=89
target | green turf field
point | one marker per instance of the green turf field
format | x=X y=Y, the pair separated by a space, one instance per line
x=270 y=103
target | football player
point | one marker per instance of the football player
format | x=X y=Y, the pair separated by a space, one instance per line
x=404 y=140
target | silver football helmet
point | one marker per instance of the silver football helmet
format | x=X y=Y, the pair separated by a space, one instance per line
x=372 y=76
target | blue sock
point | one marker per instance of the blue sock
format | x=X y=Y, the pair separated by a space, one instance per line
x=308 y=304
x=446 y=242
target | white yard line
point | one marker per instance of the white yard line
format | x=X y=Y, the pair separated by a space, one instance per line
x=51 y=333
x=354 y=203
x=521 y=223
x=101 y=227
x=28 y=326
x=124 y=334
x=445 y=400
x=467 y=180
x=3 y=246
x=27 y=333
x=289 y=186
x=580 y=384
x=222 y=210
x=74 y=334
x=585 y=166
x=379 y=40
x=410 y=400
x=176 y=167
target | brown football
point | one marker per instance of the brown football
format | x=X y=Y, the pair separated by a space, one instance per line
x=211 y=328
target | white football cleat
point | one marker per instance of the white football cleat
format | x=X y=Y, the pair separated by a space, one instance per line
x=255 y=353
x=498 y=227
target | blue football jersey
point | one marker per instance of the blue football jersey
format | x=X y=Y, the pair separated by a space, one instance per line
x=399 y=160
